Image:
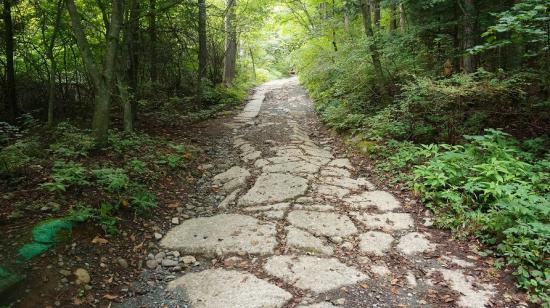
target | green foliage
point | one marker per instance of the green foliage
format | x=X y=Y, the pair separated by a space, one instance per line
x=106 y=218
x=491 y=188
x=114 y=180
x=71 y=142
x=138 y=166
x=18 y=155
x=124 y=142
x=142 y=200
x=65 y=175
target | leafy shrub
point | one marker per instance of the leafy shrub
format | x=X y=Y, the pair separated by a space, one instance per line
x=142 y=200
x=138 y=166
x=491 y=188
x=106 y=218
x=18 y=155
x=112 y=179
x=65 y=175
x=71 y=142
x=124 y=142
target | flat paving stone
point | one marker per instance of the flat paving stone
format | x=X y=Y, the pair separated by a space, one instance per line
x=305 y=242
x=473 y=294
x=341 y=163
x=291 y=167
x=277 y=207
x=322 y=223
x=314 y=207
x=335 y=172
x=348 y=183
x=232 y=173
x=382 y=200
x=274 y=187
x=221 y=234
x=332 y=191
x=215 y=288
x=313 y=273
x=386 y=221
x=375 y=242
x=318 y=305
x=414 y=243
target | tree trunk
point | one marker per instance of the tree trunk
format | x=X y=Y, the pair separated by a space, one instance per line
x=153 y=40
x=53 y=65
x=375 y=55
x=253 y=62
x=393 y=19
x=469 y=36
x=132 y=43
x=375 y=6
x=11 y=93
x=203 y=52
x=402 y=18
x=102 y=79
x=230 y=58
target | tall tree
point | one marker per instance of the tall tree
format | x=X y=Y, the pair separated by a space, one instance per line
x=375 y=6
x=402 y=18
x=11 y=94
x=102 y=73
x=393 y=17
x=153 y=62
x=203 y=52
x=468 y=60
x=230 y=59
x=375 y=54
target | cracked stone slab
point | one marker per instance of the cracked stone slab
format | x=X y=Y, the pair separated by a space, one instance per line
x=341 y=163
x=314 y=151
x=473 y=294
x=375 y=242
x=283 y=159
x=382 y=200
x=348 y=183
x=232 y=173
x=274 y=187
x=291 y=167
x=214 y=288
x=386 y=221
x=335 y=172
x=271 y=207
x=313 y=273
x=220 y=234
x=414 y=243
x=318 y=305
x=305 y=242
x=314 y=207
x=230 y=199
x=322 y=223
x=331 y=191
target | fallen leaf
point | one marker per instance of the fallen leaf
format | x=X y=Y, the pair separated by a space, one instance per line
x=99 y=240
x=365 y=286
x=77 y=301
x=110 y=297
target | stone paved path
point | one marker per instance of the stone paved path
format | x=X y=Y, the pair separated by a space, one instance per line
x=299 y=227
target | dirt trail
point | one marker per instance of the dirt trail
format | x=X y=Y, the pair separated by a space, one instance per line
x=297 y=224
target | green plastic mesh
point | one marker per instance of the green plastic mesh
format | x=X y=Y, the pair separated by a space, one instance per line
x=45 y=235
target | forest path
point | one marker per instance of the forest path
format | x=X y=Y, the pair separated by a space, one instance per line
x=299 y=225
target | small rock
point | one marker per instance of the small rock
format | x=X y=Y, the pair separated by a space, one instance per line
x=232 y=261
x=347 y=246
x=151 y=264
x=159 y=256
x=82 y=276
x=158 y=236
x=122 y=262
x=176 y=221
x=175 y=253
x=339 y=301
x=337 y=239
x=188 y=260
x=65 y=273
x=169 y=263
x=150 y=256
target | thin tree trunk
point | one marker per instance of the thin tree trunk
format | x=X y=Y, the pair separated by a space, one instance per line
x=53 y=65
x=402 y=18
x=230 y=58
x=253 y=62
x=393 y=17
x=153 y=40
x=375 y=6
x=469 y=36
x=132 y=42
x=375 y=55
x=333 y=16
x=11 y=93
x=203 y=52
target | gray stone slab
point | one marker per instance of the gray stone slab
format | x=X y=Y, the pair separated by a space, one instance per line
x=414 y=243
x=274 y=187
x=335 y=172
x=291 y=167
x=331 y=191
x=221 y=234
x=341 y=163
x=382 y=200
x=375 y=242
x=303 y=241
x=386 y=221
x=313 y=273
x=473 y=293
x=322 y=223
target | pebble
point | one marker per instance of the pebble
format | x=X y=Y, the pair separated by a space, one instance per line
x=176 y=221
x=82 y=276
x=151 y=264
x=159 y=256
x=188 y=259
x=169 y=263
x=122 y=262
x=347 y=246
x=65 y=273
x=337 y=239
x=158 y=236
